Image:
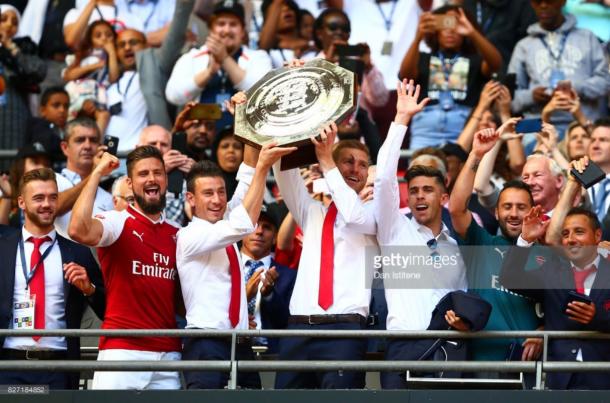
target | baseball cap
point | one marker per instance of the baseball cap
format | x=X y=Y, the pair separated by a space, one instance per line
x=32 y=150
x=230 y=7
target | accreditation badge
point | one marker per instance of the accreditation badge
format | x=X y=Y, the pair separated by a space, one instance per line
x=23 y=313
x=386 y=48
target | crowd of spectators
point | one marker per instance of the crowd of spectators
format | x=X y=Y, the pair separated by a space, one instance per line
x=475 y=122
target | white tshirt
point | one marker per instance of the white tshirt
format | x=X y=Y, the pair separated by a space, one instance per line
x=369 y=26
x=112 y=14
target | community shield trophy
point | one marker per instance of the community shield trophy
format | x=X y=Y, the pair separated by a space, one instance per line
x=290 y=104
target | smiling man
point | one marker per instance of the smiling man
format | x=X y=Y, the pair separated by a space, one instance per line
x=545 y=179
x=137 y=252
x=574 y=294
x=211 y=272
x=221 y=67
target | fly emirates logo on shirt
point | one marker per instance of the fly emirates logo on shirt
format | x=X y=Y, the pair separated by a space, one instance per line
x=159 y=269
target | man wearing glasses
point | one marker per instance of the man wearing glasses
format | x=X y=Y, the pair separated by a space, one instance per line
x=122 y=196
x=134 y=101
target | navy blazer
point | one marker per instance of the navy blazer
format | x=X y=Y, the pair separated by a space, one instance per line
x=74 y=298
x=550 y=285
x=275 y=309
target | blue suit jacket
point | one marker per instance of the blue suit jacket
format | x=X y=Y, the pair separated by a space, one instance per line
x=74 y=299
x=550 y=285
x=274 y=310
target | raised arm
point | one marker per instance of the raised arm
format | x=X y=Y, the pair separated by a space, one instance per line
x=268 y=35
x=490 y=92
x=461 y=217
x=492 y=59
x=386 y=184
x=83 y=227
x=410 y=63
x=74 y=32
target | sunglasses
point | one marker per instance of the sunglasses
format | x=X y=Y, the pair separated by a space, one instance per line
x=433 y=244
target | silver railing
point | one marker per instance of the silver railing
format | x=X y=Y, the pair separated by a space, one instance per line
x=233 y=365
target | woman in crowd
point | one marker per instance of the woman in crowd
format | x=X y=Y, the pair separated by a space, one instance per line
x=228 y=153
x=451 y=74
x=21 y=70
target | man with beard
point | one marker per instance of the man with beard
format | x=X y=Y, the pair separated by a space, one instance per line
x=137 y=252
x=80 y=146
x=574 y=293
x=135 y=100
x=483 y=255
x=220 y=68
x=54 y=275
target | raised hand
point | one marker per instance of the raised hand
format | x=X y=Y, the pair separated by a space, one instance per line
x=548 y=136
x=270 y=153
x=324 y=146
x=182 y=122
x=507 y=130
x=579 y=165
x=534 y=225
x=294 y=63
x=217 y=48
x=106 y=164
x=5 y=185
x=490 y=93
x=269 y=280
x=406 y=104
x=464 y=26
x=483 y=141
x=238 y=98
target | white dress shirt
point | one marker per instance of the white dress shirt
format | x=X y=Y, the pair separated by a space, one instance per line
x=68 y=179
x=266 y=266
x=55 y=306
x=181 y=87
x=203 y=264
x=128 y=124
x=354 y=234
x=409 y=309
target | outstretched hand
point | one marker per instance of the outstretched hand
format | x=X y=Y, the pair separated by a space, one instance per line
x=483 y=141
x=407 y=105
x=238 y=98
x=324 y=146
x=535 y=225
x=270 y=153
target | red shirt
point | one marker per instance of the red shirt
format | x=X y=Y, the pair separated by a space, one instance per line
x=138 y=260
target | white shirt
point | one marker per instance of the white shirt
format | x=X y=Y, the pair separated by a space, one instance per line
x=151 y=15
x=368 y=26
x=266 y=266
x=410 y=309
x=55 y=306
x=203 y=264
x=181 y=87
x=128 y=124
x=354 y=235
x=68 y=179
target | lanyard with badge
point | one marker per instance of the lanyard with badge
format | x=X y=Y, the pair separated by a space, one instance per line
x=387 y=46
x=23 y=311
x=557 y=74
x=152 y=13
x=117 y=108
x=445 y=99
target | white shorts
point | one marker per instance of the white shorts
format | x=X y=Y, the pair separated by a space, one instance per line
x=132 y=379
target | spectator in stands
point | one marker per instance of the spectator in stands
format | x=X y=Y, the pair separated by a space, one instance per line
x=200 y=133
x=452 y=74
x=122 y=196
x=268 y=284
x=136 y=100
x=220 y=68
x=577 y=141
x=599 y=152
x=556 y=51
x=566 y=101
x=503 y=22
x=92 y=68
x=510 y=311
x=330 y=291
x=305 y=23
x=411 y=309
x=228 y=153
x=280 y=35
x=48 y=129
x=80 y=145
x=148 y=16
x=161 y=139
x=207 y=258
x=545 y=179
x=20 y=72
x=137 y=252
x=60 y=286
x=554 y=283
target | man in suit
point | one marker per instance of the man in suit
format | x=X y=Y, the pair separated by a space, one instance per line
x=554 y=283
x=44 y=285
x=268 y=284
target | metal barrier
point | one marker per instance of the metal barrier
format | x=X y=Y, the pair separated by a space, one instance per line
x=233 y=365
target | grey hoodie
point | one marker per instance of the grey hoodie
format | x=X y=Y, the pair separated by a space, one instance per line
x=583 y=62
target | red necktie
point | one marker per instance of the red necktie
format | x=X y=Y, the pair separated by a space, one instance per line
x=580 y=276
x=235 y=304
x=37 y=283
x=327 y=258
